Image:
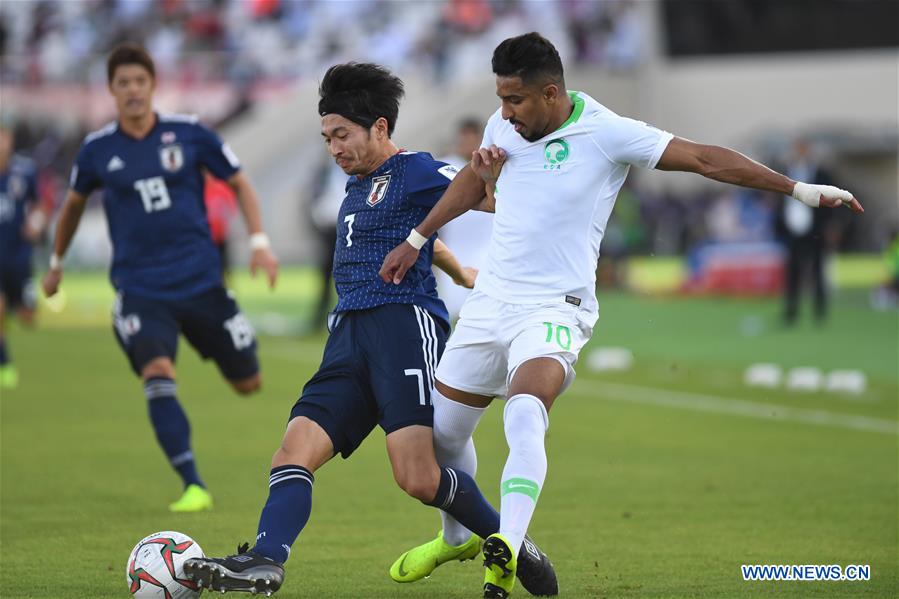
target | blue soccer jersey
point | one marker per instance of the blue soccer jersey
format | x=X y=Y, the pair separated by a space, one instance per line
x=377 y=214
x=153 y=197
x=18 y=193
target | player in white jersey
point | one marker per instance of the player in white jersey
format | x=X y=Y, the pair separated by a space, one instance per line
x=470 y=233
x=555 y=161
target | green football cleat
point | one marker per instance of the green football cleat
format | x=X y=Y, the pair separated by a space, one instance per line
x=9 y=377
x=501 y=564
x=194 y=499
x=420 y=561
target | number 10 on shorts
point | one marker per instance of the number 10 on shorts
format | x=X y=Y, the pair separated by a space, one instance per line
x=560 y=333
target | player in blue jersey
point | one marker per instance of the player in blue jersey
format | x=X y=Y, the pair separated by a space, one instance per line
x=165 y=268
x=379 y=360
x=22 y=222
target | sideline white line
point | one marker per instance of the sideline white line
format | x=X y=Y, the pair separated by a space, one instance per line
x=740 y=407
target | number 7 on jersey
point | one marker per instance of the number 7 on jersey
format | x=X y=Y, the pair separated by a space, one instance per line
x=348 y=219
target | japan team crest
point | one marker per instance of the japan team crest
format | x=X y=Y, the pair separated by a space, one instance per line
x=378 y=189
x=171 y=157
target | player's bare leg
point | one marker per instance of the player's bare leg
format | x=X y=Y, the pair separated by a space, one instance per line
x=305 y=448
x=418 y=460
x=305 y=444
x=411 y=453
x=248 y=385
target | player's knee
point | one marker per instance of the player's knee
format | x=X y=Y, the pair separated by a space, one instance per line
x=282 y=457
x=304 y=444
x=420 y=490
x=421 y=484
x=287 y=455
x=247 y=386
x=158 y=368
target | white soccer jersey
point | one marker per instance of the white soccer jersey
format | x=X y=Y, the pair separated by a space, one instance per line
x=553 y=200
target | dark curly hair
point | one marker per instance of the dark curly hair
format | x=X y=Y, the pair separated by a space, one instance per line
x=362 y=93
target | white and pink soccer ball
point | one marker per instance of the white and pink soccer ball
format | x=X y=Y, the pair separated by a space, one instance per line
x=155 y=568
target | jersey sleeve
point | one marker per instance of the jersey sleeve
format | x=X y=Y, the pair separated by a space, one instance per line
x=427 y=179
x=84 y=178
x=215 y=154
x=627 y=141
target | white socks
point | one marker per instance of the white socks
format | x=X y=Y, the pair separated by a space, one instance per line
x=526 y=421
x=454 y=424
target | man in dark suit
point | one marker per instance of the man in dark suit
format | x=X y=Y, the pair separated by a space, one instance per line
x=806 y=234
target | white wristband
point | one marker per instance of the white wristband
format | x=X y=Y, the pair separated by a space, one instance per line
x=810 y=195
x=37 y=220
x=259 y=241
x=416 y=239
x=55 y=262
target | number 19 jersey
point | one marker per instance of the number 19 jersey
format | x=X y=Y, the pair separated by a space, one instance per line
x=153 y=198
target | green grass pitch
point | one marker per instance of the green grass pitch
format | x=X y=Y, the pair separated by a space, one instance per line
x=663 y=479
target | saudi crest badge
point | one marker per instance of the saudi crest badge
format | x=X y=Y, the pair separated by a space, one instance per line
x=555 y=152
x=378 y=189
x=171 y=157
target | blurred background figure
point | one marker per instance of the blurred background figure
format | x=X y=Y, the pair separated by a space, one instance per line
x=468 y=235
x=807 y=234
x=22 y=224
x=886 y=297
x=328 y=191
x=221 y=208
x=625 y=235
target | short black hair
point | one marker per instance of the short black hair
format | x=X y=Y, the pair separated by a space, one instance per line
x=129 y=54
x=362 y=93
x=531 y=57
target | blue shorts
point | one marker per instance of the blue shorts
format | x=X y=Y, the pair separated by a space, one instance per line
x=17 y=287
x=148 y=328
x=378 y=368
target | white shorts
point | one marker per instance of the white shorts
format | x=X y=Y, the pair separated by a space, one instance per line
x=493 y=338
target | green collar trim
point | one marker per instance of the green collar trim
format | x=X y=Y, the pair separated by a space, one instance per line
x=578 y=109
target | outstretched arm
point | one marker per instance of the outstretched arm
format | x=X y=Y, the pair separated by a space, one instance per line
x=445 y=260
x=72 y=209
x=262 y=256
x=728 y=166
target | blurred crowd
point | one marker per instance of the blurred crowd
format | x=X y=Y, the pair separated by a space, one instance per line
x=47 y=41
x=244 y=44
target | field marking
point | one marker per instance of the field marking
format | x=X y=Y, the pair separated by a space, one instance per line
x=742 y=407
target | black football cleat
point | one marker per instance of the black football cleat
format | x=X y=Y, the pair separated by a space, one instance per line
x=535 y=572
x=245 y=572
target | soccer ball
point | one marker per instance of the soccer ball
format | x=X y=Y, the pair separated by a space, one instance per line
x=155 y=567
